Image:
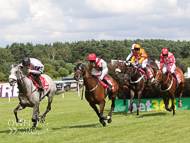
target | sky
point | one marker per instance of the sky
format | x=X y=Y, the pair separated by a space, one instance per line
x=49 y=21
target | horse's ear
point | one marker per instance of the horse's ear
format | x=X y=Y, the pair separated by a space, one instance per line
x=83 y=61
x=12 y=66
x=78 y=61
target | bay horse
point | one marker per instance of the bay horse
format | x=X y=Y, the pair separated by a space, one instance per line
x=95 y=93
x=120 y=68
x=29 y=95
x=168 y=87
x=137 y=84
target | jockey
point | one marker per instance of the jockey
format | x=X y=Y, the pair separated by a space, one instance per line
x=35 y=67
x=140 y=58
x=168 y=59
x=131 y=54
x=100 y=69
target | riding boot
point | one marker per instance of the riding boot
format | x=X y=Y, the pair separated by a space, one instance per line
x=106 y=82
x=146 y=71
x=40 y=84
x=174 y=75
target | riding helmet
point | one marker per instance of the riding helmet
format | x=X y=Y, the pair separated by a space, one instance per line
x=26 y=61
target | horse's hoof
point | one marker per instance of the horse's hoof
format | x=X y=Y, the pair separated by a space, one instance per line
x=110 y=120
x=179 y=105
x=33 y=127
x=20 y=120
x=124 y=104
x=42 y=120
x=104 y=124
x=129 y=112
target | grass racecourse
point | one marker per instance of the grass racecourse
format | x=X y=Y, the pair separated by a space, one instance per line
x=73 y=120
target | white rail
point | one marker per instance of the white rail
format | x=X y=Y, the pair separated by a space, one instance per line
x=69 y=81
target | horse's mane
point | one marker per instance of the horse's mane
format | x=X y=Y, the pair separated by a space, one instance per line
x=181 y=67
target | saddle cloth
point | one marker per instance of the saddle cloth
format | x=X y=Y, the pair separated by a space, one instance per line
x=44 y=82
x=143 y=72
x=105 y=85
x=178 y=77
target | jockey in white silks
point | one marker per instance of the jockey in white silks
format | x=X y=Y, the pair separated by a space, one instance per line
x=35 y=67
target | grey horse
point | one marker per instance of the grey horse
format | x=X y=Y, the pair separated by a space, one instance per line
x=29 y=95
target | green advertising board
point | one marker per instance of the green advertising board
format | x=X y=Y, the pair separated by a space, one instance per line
x=151 y=104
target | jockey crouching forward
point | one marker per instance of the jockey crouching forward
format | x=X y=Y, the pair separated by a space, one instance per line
x=35 y=67
x=140 y=56
x=168 y=59
x=100 y=69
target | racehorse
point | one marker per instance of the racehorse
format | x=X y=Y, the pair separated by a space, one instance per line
x=95 y=93
x=137 y=84
x=29 y=95
x=168 y=87
x=120 y=68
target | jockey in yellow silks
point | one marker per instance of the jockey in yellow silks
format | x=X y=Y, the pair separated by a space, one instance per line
x=140 y=58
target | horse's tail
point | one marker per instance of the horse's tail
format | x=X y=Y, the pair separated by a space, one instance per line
x=59 y=91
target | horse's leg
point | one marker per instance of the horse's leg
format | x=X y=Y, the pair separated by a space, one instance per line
x=173 y=107
x=138 y=102
x=181 y=87
x=131 y=102
x=50 y=99
x=125 y=96
x=35 y=117
x=102 y=118
x=112 y=108
x=98 y=114
x=166 y=104
x=19 y=107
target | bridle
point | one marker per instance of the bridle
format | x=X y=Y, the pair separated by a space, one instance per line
x=131 y=74
x=81 y=72
x=159 y=80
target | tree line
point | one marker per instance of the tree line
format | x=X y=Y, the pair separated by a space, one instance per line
x=59 y=58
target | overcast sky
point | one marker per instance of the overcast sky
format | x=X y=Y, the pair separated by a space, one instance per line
x=49 y=21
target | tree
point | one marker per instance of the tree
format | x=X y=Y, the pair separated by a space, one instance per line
x=63 y=72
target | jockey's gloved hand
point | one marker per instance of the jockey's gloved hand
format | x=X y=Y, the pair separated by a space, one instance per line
x=137 y=65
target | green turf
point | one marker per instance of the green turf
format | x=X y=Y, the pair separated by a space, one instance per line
x=72 y=120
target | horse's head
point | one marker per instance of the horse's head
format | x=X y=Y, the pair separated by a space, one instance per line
x=13 y=75
x=79 y=70
x=120 y=68
x=129 y=71
x=158 y=77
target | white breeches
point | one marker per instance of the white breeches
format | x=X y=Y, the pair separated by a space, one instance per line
x=104 y=72
x=165 y=68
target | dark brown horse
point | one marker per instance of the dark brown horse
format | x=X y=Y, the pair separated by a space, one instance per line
x=137 y=84
x=168 y=87
x=120 y=68
x=95 y=93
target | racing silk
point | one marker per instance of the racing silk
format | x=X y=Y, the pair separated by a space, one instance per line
x=129 y=56
x=139 y=57
x=35 y=65
x=99 y=66
x=169 y=61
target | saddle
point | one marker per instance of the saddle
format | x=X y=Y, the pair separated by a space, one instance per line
x=105 y=85
x=45 y=84
x=145 y=75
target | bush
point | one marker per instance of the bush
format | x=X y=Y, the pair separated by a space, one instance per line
x=2 y=77
x=63 y=72
x=48 y=74
x=48 y=67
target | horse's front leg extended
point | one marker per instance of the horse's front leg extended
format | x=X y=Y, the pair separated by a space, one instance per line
x=166 y=104
x=50 y=99
x=131 y=102
x=19 y=107
x=138 y=102
x=35 y=117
